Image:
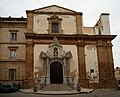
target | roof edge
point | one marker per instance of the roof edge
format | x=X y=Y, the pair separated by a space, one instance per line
x=32 y=11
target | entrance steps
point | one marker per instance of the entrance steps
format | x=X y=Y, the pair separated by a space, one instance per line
x=57 y=87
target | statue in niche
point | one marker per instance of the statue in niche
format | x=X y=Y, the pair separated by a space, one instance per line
x=55 y=52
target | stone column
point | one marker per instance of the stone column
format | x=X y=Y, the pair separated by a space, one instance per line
x=67 y=71
x=48 y=72
x=45 y=67
x=83 y=81
x=29 y=64
x=106 y=67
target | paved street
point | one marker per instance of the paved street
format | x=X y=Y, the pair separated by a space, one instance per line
x=97 y=93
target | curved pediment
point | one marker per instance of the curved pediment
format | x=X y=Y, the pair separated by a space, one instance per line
x=55 y=51
x=55 y=43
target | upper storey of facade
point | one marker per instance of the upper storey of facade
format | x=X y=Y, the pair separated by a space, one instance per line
x=56 y=20
x=12 y=29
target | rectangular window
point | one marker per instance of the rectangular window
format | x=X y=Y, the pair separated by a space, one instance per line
x=12 y=53
x=13 y=36
x=55 y=28
x=12 y=74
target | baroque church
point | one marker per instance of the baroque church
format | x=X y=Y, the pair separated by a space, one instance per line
x=52 y=46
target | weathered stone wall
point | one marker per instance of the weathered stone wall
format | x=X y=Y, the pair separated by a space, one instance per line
x=89 y=31
x=41 y=24
x=19 y=66
x=18 y=63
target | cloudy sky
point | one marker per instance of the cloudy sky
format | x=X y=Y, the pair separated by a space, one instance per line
x=91 y=10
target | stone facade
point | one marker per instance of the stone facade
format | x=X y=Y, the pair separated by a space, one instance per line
x=54 y=36
x=7 y=63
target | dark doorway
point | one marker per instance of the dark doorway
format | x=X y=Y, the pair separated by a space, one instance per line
x=56 y=73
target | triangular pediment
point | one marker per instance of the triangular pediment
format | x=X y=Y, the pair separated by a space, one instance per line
x=54 y=8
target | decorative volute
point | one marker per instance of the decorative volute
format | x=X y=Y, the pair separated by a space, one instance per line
x=55 y=51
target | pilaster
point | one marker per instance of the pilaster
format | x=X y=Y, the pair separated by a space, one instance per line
x=29 y=64
x=111 y=75
x=29 y=22
x=106 y=67
x=79 y=23
x=83 y=81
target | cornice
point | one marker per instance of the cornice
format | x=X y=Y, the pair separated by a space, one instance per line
x=12 y=60
x=69 y=36
x=13 y=43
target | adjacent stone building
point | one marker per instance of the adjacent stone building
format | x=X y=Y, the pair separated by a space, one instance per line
x=52 y=46
x=117 y=76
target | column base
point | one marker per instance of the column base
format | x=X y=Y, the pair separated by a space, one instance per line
x=28 y=84
x=84 y=83
x=109 y=83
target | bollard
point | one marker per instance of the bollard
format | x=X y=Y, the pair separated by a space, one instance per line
x=78 y=88
x=35 y=88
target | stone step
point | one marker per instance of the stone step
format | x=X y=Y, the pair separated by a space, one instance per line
x=57 y=87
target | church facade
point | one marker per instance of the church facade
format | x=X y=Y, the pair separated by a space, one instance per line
x=52 y=46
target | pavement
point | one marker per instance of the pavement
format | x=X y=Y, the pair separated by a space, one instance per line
x=30 y=91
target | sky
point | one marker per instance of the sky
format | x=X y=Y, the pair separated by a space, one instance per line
x=91 y=10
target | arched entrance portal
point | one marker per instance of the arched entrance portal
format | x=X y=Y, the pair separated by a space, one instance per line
x=56 y=73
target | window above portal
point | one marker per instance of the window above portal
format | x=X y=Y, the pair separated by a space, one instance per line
x=55 y=28
x=54 y=23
